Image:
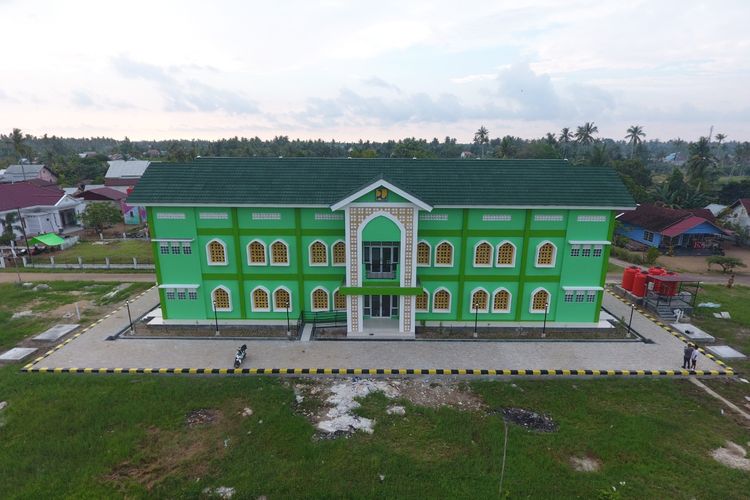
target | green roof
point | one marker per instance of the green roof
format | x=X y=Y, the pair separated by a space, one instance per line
x=325 y=181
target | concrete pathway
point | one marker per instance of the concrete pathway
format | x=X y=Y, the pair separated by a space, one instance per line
x=10 y=277
x=89 y=349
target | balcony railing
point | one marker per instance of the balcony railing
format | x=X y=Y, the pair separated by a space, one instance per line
x=383 y=272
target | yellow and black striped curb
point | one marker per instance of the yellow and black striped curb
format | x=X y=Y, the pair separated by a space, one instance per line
x=67 y=341
x=384 y=371
x=675 y=333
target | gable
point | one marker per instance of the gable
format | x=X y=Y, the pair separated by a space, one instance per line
x=381 y=191
x=381 y=194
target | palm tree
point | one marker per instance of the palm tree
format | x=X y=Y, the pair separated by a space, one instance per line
x=585 y=133
x=635 y=132
x=482 y=137
x=720 y=137
x=699 y=165
x=16 y=139
x=565 y=137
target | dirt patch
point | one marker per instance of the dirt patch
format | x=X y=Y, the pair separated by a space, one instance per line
x=330 y=404
x=585 y=464
x=203 y=416
x=732 y=455
x=528 y=419
x=66 y=311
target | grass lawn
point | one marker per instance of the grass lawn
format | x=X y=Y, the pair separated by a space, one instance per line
x=46 y=305
x=94 y=252
x=103 y=436
x=614 y=268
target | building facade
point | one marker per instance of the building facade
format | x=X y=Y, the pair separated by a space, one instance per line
x=388 y=258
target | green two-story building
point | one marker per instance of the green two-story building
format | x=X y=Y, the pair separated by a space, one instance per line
x=393 y=243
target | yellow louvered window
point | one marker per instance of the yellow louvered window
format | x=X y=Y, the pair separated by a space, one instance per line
x=282 y=300
x=257 y=252
x=545 y=254
x=320 y=300
x=444 y=254
x=339 y=253
x=421 y=302
x=441 y=301
x=423 y=254
x=505 y=254
x=318 y=254
x=483 y=254
x=502 y=301
x=339 y=301
x=539 y=301
x=479 y=300
x=221 y=299
x=216 y=253
x=279 y=253
x=260 y=299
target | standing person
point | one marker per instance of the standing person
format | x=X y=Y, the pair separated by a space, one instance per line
x=694 y=357
x=687 y=354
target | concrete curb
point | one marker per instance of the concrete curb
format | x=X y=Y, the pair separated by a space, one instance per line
x=729 y=370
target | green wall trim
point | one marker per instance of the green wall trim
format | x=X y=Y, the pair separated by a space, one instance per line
x=261 y=231
x=215 y=231
x=379 y=290
x=439 y=232
x=221 y=276
x=238 y=252
x=498 y=233
x=324 y=232
x=461 y=266
x=273 y=277
x=300 y=262
x=605 y=266
x=468 y=277
x=524 y=253
x=548 y=233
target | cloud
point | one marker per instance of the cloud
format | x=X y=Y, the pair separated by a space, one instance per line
x=185 y=94
x=374 y=81
x=81 y=99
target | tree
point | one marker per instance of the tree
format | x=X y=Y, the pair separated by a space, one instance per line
x=585 y=133
x=720 y=137
x=635 y=132
x=9 y=228
x=565 y=137
x=99 y=215
x=482 y=137
x=599 y=156
x=652 y=254
x=700 y=166
x=727 y=263
x=733 y=191
x=16 y=140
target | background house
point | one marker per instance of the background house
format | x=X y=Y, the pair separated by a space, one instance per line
x=20 y=173
x=44 y=208
x=125 y=173
x=671 y=230
x=739 y=213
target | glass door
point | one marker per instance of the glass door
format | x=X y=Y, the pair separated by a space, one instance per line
x=381 y=306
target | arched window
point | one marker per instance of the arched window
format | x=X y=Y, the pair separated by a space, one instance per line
x=339 y=301
x=539 y=300
x=282 y=299
x=501 y=301
x=339 y=253
x=441 y=301
x=482 y=254
x=423 y=253
x=422 y=302
x=506 y=254
x=260 y=300
x=479 y=300
x=444 y=254
x=256 y=253
x=216 y=251
x=545 y=255
x=221 y=298
x=320 y=300
x=279 y=253
x=318 y=254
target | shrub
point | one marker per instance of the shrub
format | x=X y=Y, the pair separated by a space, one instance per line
x=727 y=263
x=651 y=255
x=627 y=256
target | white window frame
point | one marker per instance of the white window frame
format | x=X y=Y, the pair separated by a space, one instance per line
x=497 y=254
x=208 y=254
x=253 y=307
x=531 y=301
x=510 y=300
x=427 y=309
x=474 y=254
x=453 y=254
x=429 y=255
x=309 y=254
x=554 y=255
x=471 y=300
x=265 y=253
x=312 y=301
x=333 y=300
x=213 y=302
x=450 y=301
x=333 y=262
x=277 y=308
x=575 y=250
x=288 y=254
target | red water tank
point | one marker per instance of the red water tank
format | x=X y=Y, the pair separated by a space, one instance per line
x=669 y=287
x=639 y=284
x=656 y=270
x=627 y=277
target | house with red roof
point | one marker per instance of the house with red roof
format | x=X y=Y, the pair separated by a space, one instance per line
x=673 y=231
x=43 y=207
x=739 y=213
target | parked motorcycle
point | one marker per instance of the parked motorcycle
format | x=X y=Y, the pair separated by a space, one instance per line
x=239 y=357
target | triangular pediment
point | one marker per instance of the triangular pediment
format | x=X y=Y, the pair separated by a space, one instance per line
x=383 y=191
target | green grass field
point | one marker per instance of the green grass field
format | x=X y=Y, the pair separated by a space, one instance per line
x=119 y=252
x=14 y=298
x=110 y=436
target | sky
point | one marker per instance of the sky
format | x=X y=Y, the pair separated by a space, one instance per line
x=350 y=70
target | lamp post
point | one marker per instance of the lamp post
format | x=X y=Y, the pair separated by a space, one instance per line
x=630 y=321
x=544 y=325
x=288 y=328
x=130 y=318
x=216 y=319
x=476 y=318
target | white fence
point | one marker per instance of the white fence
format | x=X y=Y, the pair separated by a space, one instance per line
x=49 y=263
